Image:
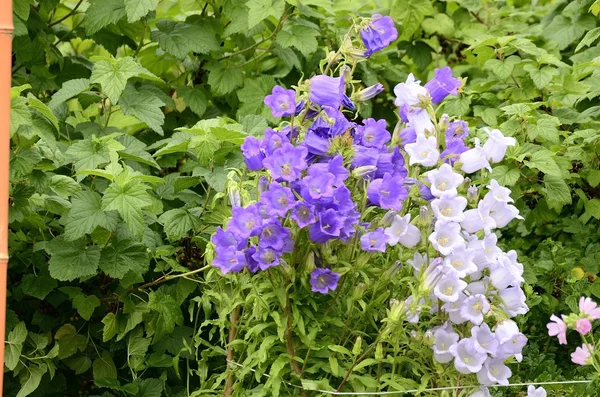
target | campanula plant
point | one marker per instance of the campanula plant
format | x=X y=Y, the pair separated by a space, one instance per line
x=366 y=256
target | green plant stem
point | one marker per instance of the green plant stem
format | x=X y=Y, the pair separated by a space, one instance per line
x=235 y=317
x=166 y=278
x=66 y=16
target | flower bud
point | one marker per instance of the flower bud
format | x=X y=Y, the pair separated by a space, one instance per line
x=310 y=262
x=472 y=194
x=365 y=170
x=234 y=196
x=357 y=348
x=379 y=352
x=346 y=72
x=444 y=122
x=359 y=291
x=263 y=184
x=425 y=216
x=387 y=218
x=368 y=93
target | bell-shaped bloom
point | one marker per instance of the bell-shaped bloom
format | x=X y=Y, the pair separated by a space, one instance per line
x=368 y=93
x=230 y=261
x=278 y=200
x=497 y=195
x=282 y=102
x=226 y=241
x=365 y=156
x=378 y=34
x=374 y=241
x=513 y=301
x=335 y=166
x=444 y=181
x=474 y=307
x=323 y=280
x=474 y=159
x=494 y=371
x=533 y=392
x=442 y=85
x=410 y=93
x=443 y=341
x=266 y=257
x=413 y=311
x=387 y=192
x=251 y=263
x=481 y=392
x=461 y=262
x=327 y=91
x=511 y=339
x=401 y=231
x=391 y=163
x=327 y=227
x=417 y=118
x=457 y=131
x=319 y=185
x=273 y=140
x=589 y=308
x=496 y=145
x=583 y=355
x=484 y=339
x=453 y=151
x=274 y=235
x=408 y=135
x=449 y=208
x=506 y=271
x=253 y=155
x=467 y=360
x=504 y=213
x=287 y=162
x=373 y=133
x=424 y=151
x=453 y=309
x=583 y=326
x=303 y=214
x=449 y=287
x=245 y=222
x=478 y=219
x=557 y=327
x=485 y=251
x=446 y=237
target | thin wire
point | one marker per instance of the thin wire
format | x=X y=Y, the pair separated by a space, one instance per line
x=388 y=393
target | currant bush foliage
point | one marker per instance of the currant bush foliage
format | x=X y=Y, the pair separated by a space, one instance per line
x=127 y=114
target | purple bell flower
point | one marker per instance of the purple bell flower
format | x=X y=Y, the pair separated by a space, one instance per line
x=281 y=101
x=368 y=93
x=374 y=241
x=274 y=235
x=378 y=34
x=324 y=280
x=453 y=150
x=457 y=130
x=391 y=163
x=319 y=185
x=253 y=155
x=442 y=85
x=335 y=166
x=266 y=257
x=327 y=228
x=387 y=192
x=287 y=162
x=278 y=200
x=273 y=140
x=230 y=261
x=327 y=91
x=251 y=263
x=303 y=214
x=373 y=133
x=245 y=222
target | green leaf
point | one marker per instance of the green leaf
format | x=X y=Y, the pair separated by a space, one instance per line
x=180 y=38
x=151 y=388
x=112 y=75
x=85 y=305
x=543 y=76
x=544 y=161
x=557 y=192
x=128 y=200
x=195 y=98
x=38 y=286
x=44 y=110
x=589 y=39
x=86 y=215
x=420 y=53
x=30 y=379
x=21 y=8
x=79 y=364
x=178 y=222
x=64 y=186
x=14 y=345
x=145 y=106
x=104 y=367
x=111 y=327
x=593 y=177
x=19 y=114
x=87 y=154
x=103 y=13
x=254 y=125
x=168 y=314
x=216 y=178
x=502 y=68
x=299 y=36
x=72 y=259
x=440 y=23
x=593 y=208
x=506 y=176
x=122 y=256
x=457 y=105
x=565 y=31
x=223 y=80
x=68 y=90
x=136 y=150
x=410 y=13
x=137 y=9
x=259 y=10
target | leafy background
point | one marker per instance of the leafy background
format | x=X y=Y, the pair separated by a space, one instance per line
x=126 y=115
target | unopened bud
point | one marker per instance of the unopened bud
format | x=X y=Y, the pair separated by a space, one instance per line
x=472 y=194
x=263 y=184
x=359 y=291
x=388 y=218
x=368 y=93
x=346 y=72
x=357 y=348
x=365 y=170
x=379 y=352
x=234 y=196
x=425 y=216
x=444 y=122
x=310 y=262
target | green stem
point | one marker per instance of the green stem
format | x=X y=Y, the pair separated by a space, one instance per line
x=66 y=16
x=171 y=277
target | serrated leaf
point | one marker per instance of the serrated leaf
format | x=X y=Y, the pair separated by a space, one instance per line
x=151 y=388
x=298 y=36
x=21 y=8
x=593 y=208
x=254 y=125
x=505 y=176
x=137 y=9
x=543 y=76
x=557 y=192
x=128 y=200
x=178 y=222
x=85 y=305
x=589 y=39
x=259 y=10
x=38 y=286
x=30 y=379
x=64 y=186
x=180 y=38
x=112 y=75
x=86 y=214
x=14 y=345
x=72 y=259
x=145 y=106
x=223 y=80
x=79 y=364
x=410 y=13
x=122 y=256
x=216 y=178
x=440 y=23
x=136 y=150
x=44 y=110
x=111 y=327
x=103 y=13
x=68 y=90
x=195 y=98
x=104 y=367
x=19 y=114
x=565 y=31
x=168 y=314
x=502 y=68
x=543 y=161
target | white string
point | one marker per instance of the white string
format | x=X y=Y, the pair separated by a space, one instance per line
x=388 y=393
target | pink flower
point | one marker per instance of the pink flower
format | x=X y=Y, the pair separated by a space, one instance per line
x=558 y=328
x=583 y=326
x=589 y=308
x=582 y=355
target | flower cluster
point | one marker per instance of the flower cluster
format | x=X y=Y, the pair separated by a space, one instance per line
x=330 y=186
x=582 y=323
